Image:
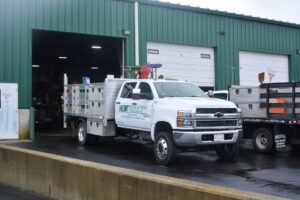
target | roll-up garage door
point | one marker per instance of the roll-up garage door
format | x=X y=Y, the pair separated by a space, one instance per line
x=274 y=66
x=194 y=64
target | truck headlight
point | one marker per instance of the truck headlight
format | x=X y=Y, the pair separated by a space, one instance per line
x=184 y=123
x=240 y=121
x=184 y=114
x=184 y=119
x=239 y=110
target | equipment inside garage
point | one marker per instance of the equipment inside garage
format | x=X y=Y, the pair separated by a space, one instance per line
x=79 y=56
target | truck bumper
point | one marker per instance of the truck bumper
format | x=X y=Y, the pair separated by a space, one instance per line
x=197 y=138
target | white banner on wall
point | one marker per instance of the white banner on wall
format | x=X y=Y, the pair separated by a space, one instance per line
x=9 y=124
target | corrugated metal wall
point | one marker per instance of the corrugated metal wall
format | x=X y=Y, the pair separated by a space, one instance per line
x=19 y=17
x=227 y=35
x=158 y=22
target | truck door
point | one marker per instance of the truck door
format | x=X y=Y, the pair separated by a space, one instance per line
x=144 y=107
x=124 y=109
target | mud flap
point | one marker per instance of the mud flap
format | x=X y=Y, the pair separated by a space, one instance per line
x=280 y=132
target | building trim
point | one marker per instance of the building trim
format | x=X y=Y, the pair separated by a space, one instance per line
x=218 y=13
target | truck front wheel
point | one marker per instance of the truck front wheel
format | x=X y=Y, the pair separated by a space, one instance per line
x=83 y=137
x=227 y=151
x=164 y=148
x=263 y=140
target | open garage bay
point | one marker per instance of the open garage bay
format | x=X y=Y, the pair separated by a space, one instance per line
x=80 y=56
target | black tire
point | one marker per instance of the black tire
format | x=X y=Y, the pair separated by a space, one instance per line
x=164 y=148
x=83 y=138
x=263 y=140
x=228 y=151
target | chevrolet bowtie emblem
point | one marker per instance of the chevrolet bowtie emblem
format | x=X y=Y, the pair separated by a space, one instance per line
x=218 y=114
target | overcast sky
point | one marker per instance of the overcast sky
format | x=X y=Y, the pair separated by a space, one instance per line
x=282 y=10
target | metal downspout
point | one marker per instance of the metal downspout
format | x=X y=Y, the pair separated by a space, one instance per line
x=136 y=33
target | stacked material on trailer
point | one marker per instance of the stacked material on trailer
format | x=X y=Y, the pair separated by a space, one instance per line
x=95 y=101
x=270 y=100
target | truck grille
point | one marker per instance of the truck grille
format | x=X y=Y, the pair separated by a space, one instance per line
x=216 y=123
x=215 y=110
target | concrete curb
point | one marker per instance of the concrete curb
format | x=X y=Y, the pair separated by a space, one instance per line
x=67 y=178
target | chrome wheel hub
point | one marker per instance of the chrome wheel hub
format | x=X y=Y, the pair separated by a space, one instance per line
x=262 y=140
x=162 y=149
x=81 y=134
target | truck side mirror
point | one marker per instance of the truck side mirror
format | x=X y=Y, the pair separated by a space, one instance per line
x=149 y=96
x=210 y=93
x=136 y=94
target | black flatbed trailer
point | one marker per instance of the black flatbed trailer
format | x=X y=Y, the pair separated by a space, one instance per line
x=275 y=131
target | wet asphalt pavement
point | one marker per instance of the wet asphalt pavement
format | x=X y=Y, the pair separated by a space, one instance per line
x=10 y=193
x=274 y=174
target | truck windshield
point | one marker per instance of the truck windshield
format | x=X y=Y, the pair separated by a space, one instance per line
x=177 y=89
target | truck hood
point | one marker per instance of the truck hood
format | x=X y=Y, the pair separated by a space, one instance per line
x=196 y=102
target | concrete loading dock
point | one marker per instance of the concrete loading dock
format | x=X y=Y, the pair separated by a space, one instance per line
x=257 y=173
x=68 y=178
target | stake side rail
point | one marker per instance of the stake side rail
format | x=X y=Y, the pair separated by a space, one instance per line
x=285 y=96
x=84 y=100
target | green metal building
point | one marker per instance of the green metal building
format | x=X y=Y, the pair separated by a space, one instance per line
x=147 y=29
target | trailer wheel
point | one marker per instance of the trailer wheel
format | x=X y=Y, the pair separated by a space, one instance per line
x=228 y=151
x=263 y=140
x=83 y=137
x=164 y=148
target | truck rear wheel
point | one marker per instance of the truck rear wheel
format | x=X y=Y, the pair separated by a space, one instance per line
x=83 y=137
x=227 y=151
x=164 y=148
x=263 y=140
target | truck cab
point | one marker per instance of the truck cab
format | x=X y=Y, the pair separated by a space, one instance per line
x=177 y=115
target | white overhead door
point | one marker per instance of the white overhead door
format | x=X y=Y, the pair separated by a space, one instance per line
x=275 y=67
x=195 y=64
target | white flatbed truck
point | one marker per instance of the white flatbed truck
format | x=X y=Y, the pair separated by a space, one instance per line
x=175 y=116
